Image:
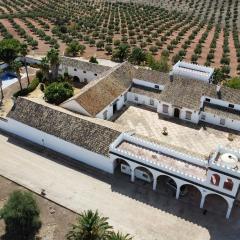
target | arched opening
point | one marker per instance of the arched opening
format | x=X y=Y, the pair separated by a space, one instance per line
x=76 y=79
x=166 y=185
x=122 y=168
x=215 y=203
x=176 y=112
x=215 y=179
x=143 y=174
x=190 y=193
x=228 y=184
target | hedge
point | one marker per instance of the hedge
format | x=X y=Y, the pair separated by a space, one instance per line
x=31 y=87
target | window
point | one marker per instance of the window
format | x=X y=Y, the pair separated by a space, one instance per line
x=207 y=100
x=125 y=97
x=222 y=121
x=228 y=184
x=188 y=115
x=136 y=98
x=105 y=115
x=156 y=86
x=75 y=69
x=203 y=117
x=215 y=179
x=165 y=108
x=84 y=71
x=152 y=102
x=231 y=105
x=95 y=74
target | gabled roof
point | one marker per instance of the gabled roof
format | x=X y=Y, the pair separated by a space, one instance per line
x=102 y=91
x=92 y=134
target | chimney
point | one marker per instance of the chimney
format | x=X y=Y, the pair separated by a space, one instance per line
x=171 y=76
x=218 y=88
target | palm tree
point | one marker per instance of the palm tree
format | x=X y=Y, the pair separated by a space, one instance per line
x=15 y=66
x=90 y=226
x=119 y=236
x=45 y=68
x=24 y=52
x=53 y=58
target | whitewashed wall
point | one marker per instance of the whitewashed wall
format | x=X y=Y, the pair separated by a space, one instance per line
x=89 y=76
x=58 y=145
x=147 y=84
x=143 y=100
x=214 y=119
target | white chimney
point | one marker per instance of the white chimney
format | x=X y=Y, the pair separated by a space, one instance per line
x=218 y=88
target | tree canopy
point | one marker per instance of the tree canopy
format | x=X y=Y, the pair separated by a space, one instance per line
x=21 y=216
x=233 y=83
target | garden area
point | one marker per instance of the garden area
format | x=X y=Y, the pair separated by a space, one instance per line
x=204 y=32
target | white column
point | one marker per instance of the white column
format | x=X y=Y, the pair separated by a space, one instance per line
x=154 y=183
x=202 y=200
x=178 y=191
x=132 y=175
x=230 y=205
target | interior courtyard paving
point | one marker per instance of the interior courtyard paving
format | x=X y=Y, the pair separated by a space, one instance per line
x=199 y=139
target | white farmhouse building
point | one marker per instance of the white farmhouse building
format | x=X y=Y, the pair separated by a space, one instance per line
x=193 y=71
x=78 y=128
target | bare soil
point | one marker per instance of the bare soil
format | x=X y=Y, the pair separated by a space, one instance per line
x=56 y=220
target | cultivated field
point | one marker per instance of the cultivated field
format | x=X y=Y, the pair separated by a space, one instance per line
x=201 y=31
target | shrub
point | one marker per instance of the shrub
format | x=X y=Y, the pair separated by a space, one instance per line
x=58 y=92
x=93 y=60
x=31 y=87
x=21 y=216
x=39 y=75
x=233 y=83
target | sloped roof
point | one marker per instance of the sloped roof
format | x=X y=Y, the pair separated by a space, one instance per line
x=187 y=93
x=92 y=134
x=152 y=76
x=86 y=66
x=99 y=93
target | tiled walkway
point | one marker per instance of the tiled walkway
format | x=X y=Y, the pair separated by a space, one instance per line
x=192 y=137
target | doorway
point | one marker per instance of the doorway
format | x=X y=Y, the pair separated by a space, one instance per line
x=114 y=107
x=176 y=112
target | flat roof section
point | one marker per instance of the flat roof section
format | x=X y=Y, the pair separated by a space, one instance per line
x=168 y=161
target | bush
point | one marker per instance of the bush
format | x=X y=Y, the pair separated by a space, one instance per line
x=31 y=87
x=233 y=83
x=39 y=75
x=58 y=92
x=93 y=60
x=21 y=216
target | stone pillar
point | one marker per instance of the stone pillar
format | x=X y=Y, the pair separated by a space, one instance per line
x=178 y=191
x=202 y=200
x=132 y=175
x=154 y=184
x=230 y=205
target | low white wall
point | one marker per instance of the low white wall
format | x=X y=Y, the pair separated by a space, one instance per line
x=143 y=100
x=214 y=119
x=58 y=145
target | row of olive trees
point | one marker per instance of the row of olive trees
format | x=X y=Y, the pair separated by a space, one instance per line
x=21 y=215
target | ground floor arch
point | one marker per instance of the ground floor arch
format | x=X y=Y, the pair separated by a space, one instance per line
x=144 y=174
x=76 y=79
x=191 y=193
x=166 y=184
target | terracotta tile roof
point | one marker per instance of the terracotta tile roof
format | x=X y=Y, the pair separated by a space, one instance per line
x=92 y=134
x=99 y=93
x=86 y=66
x=187 y=93
x=151 y=75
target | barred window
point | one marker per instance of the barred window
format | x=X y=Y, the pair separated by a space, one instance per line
x=188 y=115
x=165 y=108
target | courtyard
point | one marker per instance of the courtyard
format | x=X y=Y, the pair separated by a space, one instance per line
x=199 y=139
x=132 y=207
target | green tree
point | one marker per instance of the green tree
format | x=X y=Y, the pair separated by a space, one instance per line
x=137 y=56
x=90 y=226
x=53 y=59
x=93 y=60
x=9 y=50
x=24 y=52
x=233 y=83
x=218 y=75
x=44 y=66
x=58 y=92
x=74 y=48
x=121 y=53
x=21 y=216
x=119 y=236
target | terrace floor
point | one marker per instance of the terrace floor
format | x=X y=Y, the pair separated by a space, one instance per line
x=200 y=139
